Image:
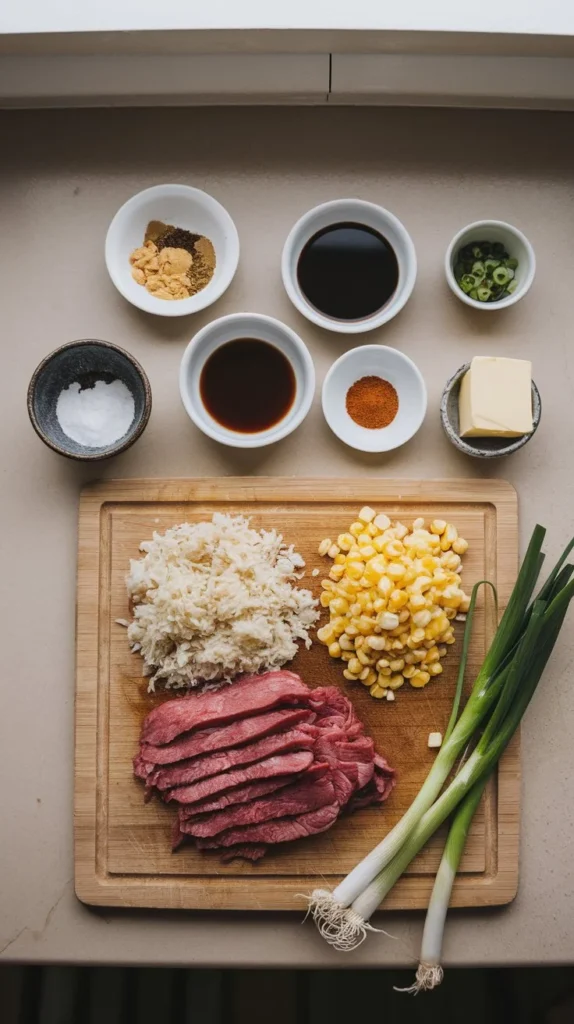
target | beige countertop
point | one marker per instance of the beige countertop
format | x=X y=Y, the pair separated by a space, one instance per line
x=62 y=177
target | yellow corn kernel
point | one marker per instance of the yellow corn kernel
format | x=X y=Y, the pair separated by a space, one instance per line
x=419 y=523
x=354 y=666
x=420 y=619
x=339 y=606
x=355 y=609
x=394 y=549
x=388 y=620
x=379 y=543
x=354 y=570
x=356 y=528
x=449 y=639
x=376 y=567
x=325 y=634
x=385 y=672
x=345 y=642
x=349 y=675
x=435 y=669
x=417 y=602
x=464 y=604
x=340 y=559
x=347 y=655
x=354 y=553
x=409 y=658
x=363 y=674
x=398 y=599
x=432 y=655
x=333 y=551
x=397 y=665
x=409 y=671
x=372 y=530
x=377 y=691
x=325 y=599
x=336 y=572
x=335 y=649
x=421 y=584
x=381 y=522
x=385 y=587
x=401 y=531
x=370 y=678
x=366 y=625
x=382 y=663
x=449 y=536
x=376 y=643
x=438 y=526
x=418 y=655
x=395 y=681
x=404 y=616
x=367 y=514
x=442 y=651
x=395 y=571
x=379 y=605
x=418 y=636
x=345 y=541
x=367 y=552
x=397 y=645
x=359 y=641
x=460 y=546
x=365 y=655
x=363 y=538
x=351 y=630
x=324 y=546
x=327 y=585
x=419 y=679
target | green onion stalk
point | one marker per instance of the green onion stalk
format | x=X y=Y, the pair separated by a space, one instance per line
x=503 y=688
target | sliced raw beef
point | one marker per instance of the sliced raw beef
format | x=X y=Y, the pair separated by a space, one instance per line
x=283 y=830
x=223 y=737
x=308 y=794
x=238 y=795
x=246 y=697
x=283 y=764
x=213 y=764
x=264 y=761
x=247 y=851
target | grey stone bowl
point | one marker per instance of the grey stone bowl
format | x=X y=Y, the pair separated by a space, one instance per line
x=85 y=361
x=481 y=447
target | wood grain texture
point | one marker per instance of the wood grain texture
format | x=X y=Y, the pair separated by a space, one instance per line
x=122 y=846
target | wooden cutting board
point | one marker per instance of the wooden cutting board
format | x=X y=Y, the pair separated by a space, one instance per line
x=122 y=846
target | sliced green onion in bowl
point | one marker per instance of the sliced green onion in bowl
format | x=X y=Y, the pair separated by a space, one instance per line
x=484 y=271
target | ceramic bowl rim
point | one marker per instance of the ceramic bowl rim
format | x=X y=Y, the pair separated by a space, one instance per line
x=357 y=352
x=514 y=445
x=510 y=300
x=110 y=451
x=263 y=438
x=174 y=309
x=396 y=302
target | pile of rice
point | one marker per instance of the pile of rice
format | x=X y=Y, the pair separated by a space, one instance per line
x=215 y=599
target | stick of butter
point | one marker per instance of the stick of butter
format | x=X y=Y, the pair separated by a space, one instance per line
x=495 y=398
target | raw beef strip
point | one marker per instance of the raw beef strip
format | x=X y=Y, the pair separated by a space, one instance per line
x=246 y=697
x=283 y=830
x=282 y=764
x=213 y=764
x=247 y=851
x=330 y=700
x=377 y=789
x=307 y=794
x=223 y=737
x=238 y=795
x=142 y=768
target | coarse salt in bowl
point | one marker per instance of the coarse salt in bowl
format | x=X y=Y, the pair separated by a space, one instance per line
x=184 y=207
x=390 y=365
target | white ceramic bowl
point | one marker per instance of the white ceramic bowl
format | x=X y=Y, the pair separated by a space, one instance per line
x=514 y=242
x=391 y=365
x=359 y=212
x=262 y=328
x=185 y=207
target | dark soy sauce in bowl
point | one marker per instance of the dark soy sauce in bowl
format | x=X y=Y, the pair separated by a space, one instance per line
x=247 y=385
x=348 y=271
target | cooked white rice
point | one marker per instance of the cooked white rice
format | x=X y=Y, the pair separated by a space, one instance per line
x=215 y=599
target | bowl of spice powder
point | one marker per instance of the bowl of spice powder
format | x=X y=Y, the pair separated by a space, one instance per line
x=374 y=398
x=172 y=250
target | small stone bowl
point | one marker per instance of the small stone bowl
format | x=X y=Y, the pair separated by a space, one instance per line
x=86 y=362
x=481 y=447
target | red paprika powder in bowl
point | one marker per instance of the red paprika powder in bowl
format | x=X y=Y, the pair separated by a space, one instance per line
x=374 y=398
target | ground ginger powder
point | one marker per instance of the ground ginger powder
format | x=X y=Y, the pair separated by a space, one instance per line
x=165 y=272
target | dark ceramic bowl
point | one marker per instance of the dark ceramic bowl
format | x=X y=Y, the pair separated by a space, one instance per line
x=481 y=447
x=86 y=362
